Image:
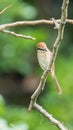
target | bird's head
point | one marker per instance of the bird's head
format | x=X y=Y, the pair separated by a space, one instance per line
x=42 y=46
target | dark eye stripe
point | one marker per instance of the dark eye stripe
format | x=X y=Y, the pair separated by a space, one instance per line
x=42 y=49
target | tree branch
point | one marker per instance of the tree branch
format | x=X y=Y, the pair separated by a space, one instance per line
x=32 y=23
x=38 y=90
x=2 y=11
x=17 y=35
x=60 y=31
x=49 y=117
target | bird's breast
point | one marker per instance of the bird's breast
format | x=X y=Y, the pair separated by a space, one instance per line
x=43 y=59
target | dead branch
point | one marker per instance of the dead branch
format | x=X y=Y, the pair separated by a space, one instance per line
x=18 y=35
x=32 y=23
x=49 y=117
x=2 y=11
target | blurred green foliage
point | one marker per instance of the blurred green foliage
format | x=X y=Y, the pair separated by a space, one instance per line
x=17 y=54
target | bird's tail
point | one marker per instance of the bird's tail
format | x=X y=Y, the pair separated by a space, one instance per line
x=56 y=83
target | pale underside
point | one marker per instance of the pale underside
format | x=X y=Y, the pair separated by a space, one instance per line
x=44 y=58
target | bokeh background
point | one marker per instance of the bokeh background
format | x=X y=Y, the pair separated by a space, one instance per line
x=20 y=72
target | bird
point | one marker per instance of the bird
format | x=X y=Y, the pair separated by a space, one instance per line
x=44 y=57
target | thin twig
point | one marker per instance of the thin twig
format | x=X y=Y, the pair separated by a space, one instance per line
x=49 y=117
x=2 y=11
x=18 y=35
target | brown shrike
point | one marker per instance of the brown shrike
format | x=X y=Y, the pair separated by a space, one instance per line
x=44 y=57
